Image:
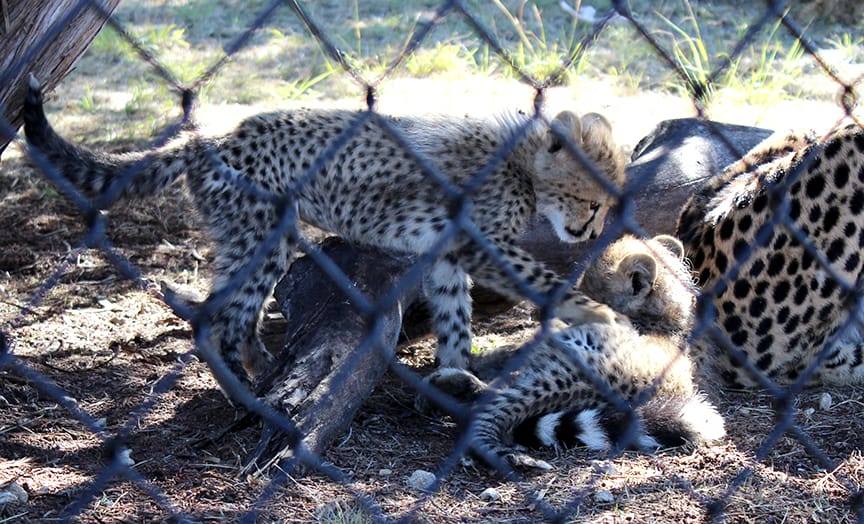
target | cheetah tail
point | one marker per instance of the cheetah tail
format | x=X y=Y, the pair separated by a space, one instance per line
x=661 y=423
x=91 y=172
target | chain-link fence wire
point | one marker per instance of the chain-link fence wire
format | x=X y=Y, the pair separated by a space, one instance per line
x=118 y=465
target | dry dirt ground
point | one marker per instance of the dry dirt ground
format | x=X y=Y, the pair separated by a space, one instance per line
x=108 y=343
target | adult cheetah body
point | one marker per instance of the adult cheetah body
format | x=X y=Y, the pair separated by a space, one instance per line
x=756 y=235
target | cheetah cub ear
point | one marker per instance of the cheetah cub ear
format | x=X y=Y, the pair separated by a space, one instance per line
x=566 y=124
x=592 y=133
x=638 y=271
x=596 y=132
x=672 y=245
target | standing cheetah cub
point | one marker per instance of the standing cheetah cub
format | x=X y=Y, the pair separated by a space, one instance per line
x=561 y=393
x=346 y=172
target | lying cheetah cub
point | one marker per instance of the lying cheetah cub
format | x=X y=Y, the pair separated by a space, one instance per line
x=552 y=401
x=348 y=173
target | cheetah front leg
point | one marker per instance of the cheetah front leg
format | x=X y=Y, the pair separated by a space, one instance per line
x=466 y=385
x=461 y=384
x=575 y=307
x=448 y=291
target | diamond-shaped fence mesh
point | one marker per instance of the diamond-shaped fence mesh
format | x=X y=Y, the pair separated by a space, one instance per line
x=780 y=460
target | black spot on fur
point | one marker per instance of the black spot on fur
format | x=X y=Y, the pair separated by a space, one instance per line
x=791 y=324
x=795 y=209
x=832 y=148
x=764 y=326
x=858 y=140
x=815 y=186
x=764 y=344
x=800 y=295
x=721 y=262
x=852 y=262
x=776 y=264
x=780 y=241
x=781 y=291
x=828 y=288
x=741 y=250
x=732 y=324
x=832 y=216
x=757 y=268
x=856 y=203
x=806 y=260
x=760 y=203
x=808 y=315
x=764 y=362
x=726 y=229
x=741 y=288
x=836 y=249
x=782 y=315
x=841 y=175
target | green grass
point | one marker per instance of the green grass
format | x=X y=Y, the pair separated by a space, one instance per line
x=444 y=59
x=341 y=512
x=283 y=62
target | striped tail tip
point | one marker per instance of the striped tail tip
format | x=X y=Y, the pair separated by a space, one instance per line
x=658 y=423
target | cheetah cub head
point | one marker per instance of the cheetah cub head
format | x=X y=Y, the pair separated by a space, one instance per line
x=568 y=195
x=649 y=281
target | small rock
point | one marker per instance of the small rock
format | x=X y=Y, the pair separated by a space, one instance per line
x=490 y=495
x=125 y=457
x=605 y=468
x=809 y=412
x=421 y=480
x=12 y=492
x=825 y=402
x=604 y=497
x=383 y=472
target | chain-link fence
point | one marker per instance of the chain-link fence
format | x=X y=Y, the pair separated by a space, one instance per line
x=167 y=500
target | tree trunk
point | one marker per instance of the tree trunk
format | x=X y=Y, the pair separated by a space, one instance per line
x=43 y=37
x=327 y=367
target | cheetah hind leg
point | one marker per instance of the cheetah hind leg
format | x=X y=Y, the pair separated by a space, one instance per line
x=448 y=289
x=235 y=325
x=521 y=460
x=515 y=456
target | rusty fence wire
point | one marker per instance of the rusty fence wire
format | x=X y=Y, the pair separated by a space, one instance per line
x=114 y=442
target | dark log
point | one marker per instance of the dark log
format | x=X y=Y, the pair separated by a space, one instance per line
x=676 y=160
x=328 y=367
x=35 y=39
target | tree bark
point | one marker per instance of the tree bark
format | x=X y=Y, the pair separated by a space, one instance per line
x=327 y=366
x=43 y=37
